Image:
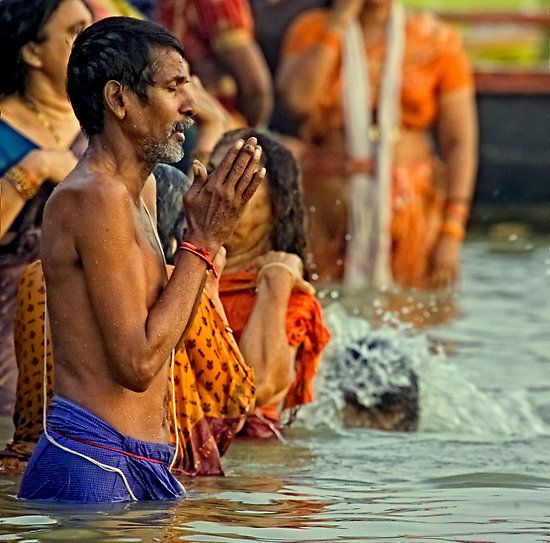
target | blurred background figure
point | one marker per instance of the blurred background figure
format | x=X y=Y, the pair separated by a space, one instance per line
x=371 y=143
x=218 y=37
x=40 y=139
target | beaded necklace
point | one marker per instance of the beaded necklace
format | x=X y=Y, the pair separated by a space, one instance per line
x=44 y=121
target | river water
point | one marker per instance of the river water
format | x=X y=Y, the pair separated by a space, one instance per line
x=478 y=469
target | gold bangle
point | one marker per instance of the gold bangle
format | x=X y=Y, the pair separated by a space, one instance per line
x=23 y=181
x=453 y=229
x=261 y=272
x=457 y=212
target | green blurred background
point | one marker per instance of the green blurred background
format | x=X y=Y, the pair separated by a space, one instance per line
x=500 y=46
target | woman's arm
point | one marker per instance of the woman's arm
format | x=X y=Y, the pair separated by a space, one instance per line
x=264 y=341
x=302 y=77
x=457 y=135
x=23 y=180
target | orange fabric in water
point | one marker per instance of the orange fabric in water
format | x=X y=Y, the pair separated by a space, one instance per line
x=214 y=387
x=304 y=324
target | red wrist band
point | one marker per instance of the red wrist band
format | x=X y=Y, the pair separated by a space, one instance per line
x=201 y=253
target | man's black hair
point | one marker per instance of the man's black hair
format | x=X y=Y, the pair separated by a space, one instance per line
x=115 y=48
x=21 y=22
x=285 y=189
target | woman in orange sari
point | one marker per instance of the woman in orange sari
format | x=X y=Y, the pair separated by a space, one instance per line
x=271 y=308
x=370 y=83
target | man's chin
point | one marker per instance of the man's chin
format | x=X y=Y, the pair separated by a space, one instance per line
x=172 y=158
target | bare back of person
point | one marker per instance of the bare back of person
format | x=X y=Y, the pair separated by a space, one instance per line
x=84 y=372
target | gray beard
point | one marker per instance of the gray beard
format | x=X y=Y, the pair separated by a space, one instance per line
x=168 y=151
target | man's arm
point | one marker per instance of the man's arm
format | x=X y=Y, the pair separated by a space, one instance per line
x=140 y=328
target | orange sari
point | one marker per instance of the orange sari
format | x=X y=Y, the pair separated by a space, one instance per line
x=434 y=64
x=214 y=388
x=305 y=330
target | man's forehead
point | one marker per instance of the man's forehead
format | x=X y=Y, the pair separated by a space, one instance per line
x=168 y=63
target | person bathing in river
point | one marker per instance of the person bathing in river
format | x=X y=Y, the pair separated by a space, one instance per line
x=115 y=317
x=371 y=84
x=271 y=308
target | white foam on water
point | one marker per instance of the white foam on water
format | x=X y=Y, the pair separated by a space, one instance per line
x=384 y=357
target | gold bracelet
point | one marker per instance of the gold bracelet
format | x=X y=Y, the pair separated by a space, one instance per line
x=453 y=229
x=24 y=182
x=273 y=265
x=457 y=212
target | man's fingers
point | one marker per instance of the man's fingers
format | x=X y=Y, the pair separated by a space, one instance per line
x=248 y=192
x=239 y=153
x=199 y=172
x=247 y=157
x=246 y=176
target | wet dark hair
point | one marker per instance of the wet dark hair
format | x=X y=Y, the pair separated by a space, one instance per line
x=172 y=184
x=115 y=48
x=21 y=22
x=285 y=189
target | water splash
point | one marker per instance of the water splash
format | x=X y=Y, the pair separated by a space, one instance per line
x=366 y=362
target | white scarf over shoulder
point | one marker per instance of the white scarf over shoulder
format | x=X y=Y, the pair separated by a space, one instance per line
x=368 y=253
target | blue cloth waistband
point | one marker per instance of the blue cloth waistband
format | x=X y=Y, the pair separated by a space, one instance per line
x=63 y=472
x=70 y=419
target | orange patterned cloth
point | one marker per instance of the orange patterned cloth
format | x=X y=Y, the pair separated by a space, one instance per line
x=214 y=392
x=214 y=388
x=304 y=326
x=434 y=64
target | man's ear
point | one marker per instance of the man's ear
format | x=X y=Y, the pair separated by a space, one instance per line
x=113 y=96
x=31 y=54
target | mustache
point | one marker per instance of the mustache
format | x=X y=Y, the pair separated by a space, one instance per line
x=182 y=126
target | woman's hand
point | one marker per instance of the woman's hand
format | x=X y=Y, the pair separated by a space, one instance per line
x=278 y=263
x=212 y=119
x=51 y=164
x=445 y=263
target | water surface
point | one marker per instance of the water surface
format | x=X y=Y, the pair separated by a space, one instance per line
x=477 y=471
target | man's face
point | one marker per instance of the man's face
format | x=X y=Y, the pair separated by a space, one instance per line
x=168 y=111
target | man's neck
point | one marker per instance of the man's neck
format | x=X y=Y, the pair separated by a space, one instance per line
x=110 y=156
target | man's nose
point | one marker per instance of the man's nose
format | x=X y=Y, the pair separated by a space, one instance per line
x=187 y=105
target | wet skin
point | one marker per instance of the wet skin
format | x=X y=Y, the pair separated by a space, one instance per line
x=115 y=317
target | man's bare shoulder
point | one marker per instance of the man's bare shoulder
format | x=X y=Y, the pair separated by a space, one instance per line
x=85 y=198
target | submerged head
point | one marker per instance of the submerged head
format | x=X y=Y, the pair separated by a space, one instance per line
x=276 y=211
x=37 y=35
x=133 y=73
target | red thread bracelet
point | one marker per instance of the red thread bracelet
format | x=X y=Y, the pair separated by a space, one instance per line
x=201 y=253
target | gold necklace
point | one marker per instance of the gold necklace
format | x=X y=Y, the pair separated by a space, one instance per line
x=44 y=121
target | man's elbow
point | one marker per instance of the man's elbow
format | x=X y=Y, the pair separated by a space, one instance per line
x=137 y=376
